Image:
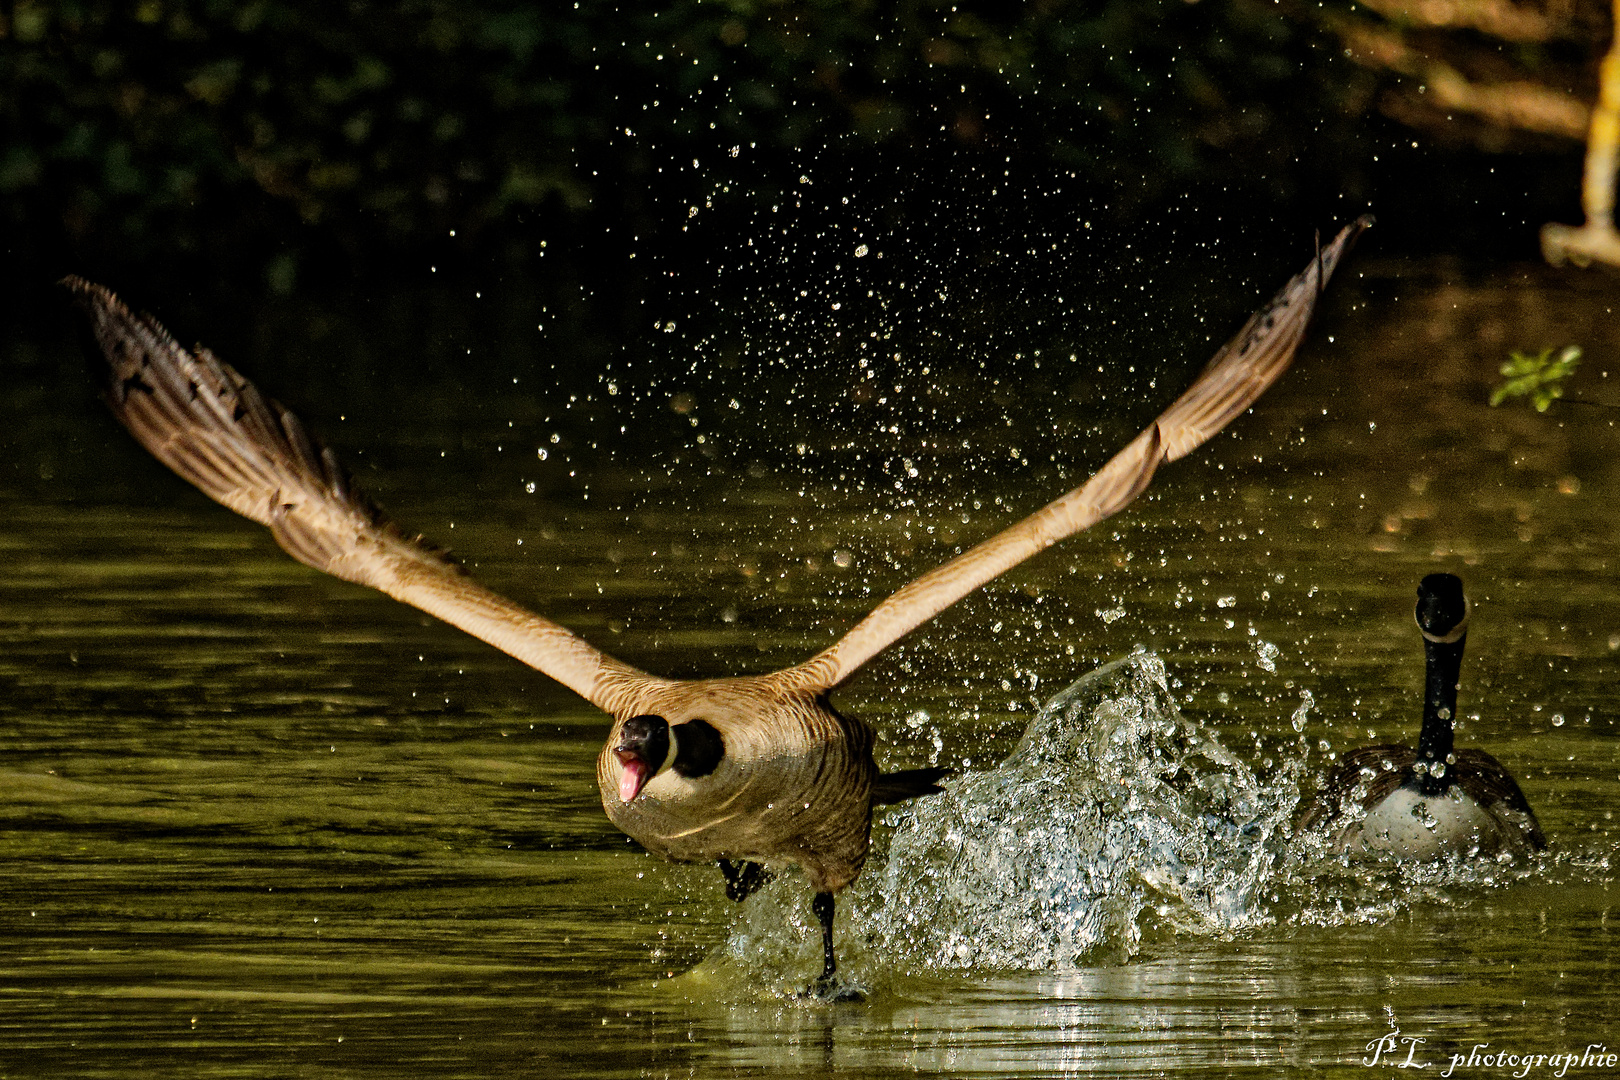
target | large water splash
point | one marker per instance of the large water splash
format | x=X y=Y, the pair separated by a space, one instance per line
x=1115 y=816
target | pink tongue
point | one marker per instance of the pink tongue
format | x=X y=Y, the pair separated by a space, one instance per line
x=630 y=780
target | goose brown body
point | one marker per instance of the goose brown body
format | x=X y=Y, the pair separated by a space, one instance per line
x=788 y=779
x=795 y=783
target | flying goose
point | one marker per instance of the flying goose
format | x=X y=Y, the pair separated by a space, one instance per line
x=741 y=771
x=1435 y=801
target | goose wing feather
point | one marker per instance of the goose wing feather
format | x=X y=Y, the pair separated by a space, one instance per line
x=1364 y=777
x=201 y=418
x=1485 y=779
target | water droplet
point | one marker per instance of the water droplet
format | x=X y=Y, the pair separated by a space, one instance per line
x=1303 y=713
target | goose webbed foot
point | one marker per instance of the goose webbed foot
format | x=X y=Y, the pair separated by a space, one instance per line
x=745 y=879
x=829 y=989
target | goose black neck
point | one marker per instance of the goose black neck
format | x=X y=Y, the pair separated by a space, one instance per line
x=1444 y=665
x=1442 y=616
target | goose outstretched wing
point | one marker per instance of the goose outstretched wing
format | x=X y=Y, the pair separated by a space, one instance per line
x=1238 y=374
x=202 y=419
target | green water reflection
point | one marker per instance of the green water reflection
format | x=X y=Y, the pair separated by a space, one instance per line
x=258 y=822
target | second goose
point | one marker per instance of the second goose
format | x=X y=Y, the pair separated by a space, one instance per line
x=1396 y=802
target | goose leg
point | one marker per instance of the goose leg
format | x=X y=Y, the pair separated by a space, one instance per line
x=744 y=880
x=826 y=987
x=822 y=905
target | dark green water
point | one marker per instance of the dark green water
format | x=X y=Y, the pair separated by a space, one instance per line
x=257 y=822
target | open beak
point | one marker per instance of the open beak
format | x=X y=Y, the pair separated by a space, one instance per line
x=633 y=775
x=643 y=746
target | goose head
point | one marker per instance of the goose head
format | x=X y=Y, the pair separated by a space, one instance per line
x=649 y=745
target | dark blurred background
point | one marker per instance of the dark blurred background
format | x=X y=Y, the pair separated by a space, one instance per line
x=277 y=144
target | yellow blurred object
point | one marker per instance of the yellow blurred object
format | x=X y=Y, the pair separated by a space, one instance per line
x=1595 y=240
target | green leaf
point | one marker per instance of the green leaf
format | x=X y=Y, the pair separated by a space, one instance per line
x=1539 y=378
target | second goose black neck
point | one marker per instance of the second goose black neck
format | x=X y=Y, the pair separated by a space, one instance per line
x=1442 y=615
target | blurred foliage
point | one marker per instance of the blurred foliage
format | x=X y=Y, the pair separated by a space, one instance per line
x=1539 y=377
x=183 y=126
x=386 y=121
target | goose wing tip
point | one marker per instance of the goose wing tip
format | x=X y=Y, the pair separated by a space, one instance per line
x=1352 y=232
x=89 y=295
x=92 y=295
